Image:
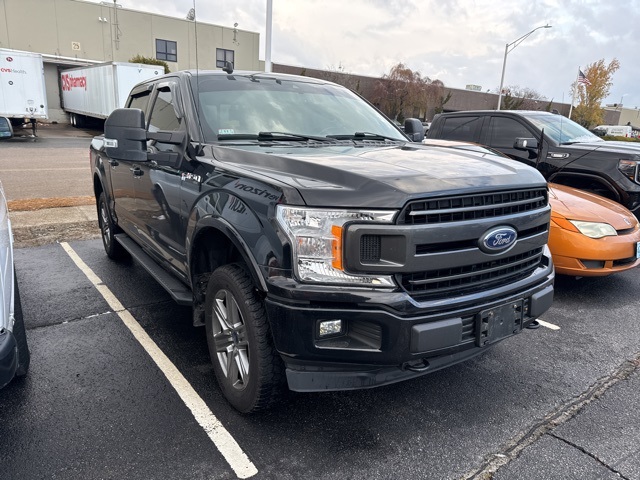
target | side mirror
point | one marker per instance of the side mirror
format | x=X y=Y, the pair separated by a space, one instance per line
x=413 y=129
x=525 y=144
x=125 y=137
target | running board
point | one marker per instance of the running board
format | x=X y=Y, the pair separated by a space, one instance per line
x=178 y=291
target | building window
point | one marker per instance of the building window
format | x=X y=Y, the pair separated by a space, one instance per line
x=166 y=50
x=223 y=56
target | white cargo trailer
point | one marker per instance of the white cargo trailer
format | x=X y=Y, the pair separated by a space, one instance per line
x=22 y=91
x=97 y=90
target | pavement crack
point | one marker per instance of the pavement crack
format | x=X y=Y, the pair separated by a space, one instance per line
x=514 y=447
x=588 y=453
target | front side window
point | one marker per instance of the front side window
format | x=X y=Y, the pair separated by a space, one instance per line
x=504 y=131
x=223 y=56
x=166 y=50
x=163 y=117
x=141 y=101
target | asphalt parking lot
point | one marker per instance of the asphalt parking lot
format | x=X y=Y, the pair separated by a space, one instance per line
x=121 y=386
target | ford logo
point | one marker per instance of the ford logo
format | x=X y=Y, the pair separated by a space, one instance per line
x=498 y=240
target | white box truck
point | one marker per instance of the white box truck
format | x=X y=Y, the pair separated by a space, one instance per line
x=97 y=90
x=22 y=92
x=614 y=130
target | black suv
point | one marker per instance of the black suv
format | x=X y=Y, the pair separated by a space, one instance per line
x=562 y=150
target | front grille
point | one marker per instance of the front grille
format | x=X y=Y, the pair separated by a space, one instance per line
x=473 y=207
x=472 y=278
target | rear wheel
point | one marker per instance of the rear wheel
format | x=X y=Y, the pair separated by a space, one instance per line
x=108 y=229
x=248 y=369
x=24 y=357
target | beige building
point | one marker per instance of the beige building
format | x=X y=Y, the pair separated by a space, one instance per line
x=76 y=32
x=617 y=114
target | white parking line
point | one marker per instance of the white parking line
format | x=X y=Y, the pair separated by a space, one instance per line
x=224 y=442
x=548 y=325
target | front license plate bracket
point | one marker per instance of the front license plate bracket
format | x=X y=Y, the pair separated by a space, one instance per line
x=499 y=322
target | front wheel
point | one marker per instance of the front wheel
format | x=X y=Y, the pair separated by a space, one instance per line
x=248 y=368
x=108 y=229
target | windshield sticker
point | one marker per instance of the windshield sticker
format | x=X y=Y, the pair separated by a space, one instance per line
x=226 y=131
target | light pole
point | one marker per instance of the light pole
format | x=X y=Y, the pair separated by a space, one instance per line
x=507 y=49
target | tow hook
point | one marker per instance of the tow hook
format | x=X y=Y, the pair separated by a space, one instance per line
x=533 y=325
x=420 y=365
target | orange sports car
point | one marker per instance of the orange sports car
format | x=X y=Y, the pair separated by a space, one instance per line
x=590 y=235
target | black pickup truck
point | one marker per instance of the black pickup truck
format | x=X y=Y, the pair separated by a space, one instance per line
x=319 y=246
x=562 y=150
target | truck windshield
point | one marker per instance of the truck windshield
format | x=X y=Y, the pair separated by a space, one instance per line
x=562 y=130
x=243 y=106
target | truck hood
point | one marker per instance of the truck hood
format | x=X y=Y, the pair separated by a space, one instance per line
x=348 y=175
x=623 y=148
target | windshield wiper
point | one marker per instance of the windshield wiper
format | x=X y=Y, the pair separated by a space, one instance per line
x=272 y=136
x=290 y=136
x=366 y=136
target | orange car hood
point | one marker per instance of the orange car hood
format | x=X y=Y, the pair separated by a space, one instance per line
x=574 y=204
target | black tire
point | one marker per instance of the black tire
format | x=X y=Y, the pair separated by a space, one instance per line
x=255 y=380
x=24 y=356
x=108 y=229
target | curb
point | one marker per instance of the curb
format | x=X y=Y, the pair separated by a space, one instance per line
x=53 y=225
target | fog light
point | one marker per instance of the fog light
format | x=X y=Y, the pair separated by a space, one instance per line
x=330 y=327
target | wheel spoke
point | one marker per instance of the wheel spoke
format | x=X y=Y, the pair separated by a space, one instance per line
x=242 y=363
x=221 y=311
x=223 y=341
x=232 y=368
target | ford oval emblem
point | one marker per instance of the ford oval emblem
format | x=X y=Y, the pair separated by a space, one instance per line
x=498 y=240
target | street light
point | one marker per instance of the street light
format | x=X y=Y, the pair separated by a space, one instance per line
x=507 y=49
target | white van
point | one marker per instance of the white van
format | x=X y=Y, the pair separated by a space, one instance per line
x=614 y=130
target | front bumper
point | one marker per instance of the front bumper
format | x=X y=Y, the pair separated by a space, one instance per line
x=382 y=342
x=8 y=357
x=578 y=255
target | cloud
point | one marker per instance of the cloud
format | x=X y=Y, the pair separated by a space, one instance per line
x=458 y=41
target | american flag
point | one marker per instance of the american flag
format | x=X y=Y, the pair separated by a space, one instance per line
x=582 y=78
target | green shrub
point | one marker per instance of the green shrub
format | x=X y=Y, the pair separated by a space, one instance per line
x=621 y=139
x=150 y=61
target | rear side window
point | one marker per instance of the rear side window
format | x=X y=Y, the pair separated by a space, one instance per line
x=504 y=131
x=460 y=128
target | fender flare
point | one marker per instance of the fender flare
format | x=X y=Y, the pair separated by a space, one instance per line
x=226 y=229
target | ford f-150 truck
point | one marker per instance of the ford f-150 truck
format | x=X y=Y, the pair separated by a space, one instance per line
x=320 y=247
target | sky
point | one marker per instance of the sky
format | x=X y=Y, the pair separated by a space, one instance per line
x=459 y=42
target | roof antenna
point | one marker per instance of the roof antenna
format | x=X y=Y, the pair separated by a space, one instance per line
x=228 y=67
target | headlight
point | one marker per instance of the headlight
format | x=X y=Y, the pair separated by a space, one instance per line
x=594 y=230
x=317 y=238
x=629 y=169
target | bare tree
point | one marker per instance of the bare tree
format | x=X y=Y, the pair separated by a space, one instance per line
x=341 y=76
x=516 y=98
x=403 y=93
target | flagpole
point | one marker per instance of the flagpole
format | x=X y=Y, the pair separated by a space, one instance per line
x=573 y=98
